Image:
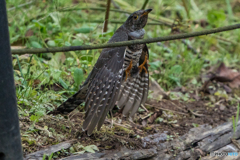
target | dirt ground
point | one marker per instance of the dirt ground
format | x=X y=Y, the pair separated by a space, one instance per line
x=175 y=118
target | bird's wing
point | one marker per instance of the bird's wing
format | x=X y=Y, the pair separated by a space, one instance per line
x=104 y=86
x=106 y=55
x=134 y=91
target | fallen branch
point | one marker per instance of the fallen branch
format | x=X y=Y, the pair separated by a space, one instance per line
x=123 y=154
x=197 y=143
x=117 y=124
x=85 y=156
x=168 y=110
x=49 y=150
x=125 y=43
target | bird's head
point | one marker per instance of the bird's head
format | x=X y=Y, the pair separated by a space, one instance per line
x=137 y=20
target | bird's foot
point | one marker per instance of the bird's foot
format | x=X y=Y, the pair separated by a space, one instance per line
x=130 y=119
x=112 y=123
x=127 y=71
x=120 y=120
x=141 y=67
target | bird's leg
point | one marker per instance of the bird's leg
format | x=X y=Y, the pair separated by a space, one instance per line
x=111 y=119
x=141 y=67
x=127 y=71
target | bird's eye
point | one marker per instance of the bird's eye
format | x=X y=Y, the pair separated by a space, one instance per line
x=135 y=17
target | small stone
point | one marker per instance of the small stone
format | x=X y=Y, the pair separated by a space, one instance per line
x=222 y=107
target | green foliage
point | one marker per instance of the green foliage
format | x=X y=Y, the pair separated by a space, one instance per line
x=44 y=81
x=195 y=125
x=78 y=77
x=83 y=30
x=216 y=17
x=174 y=74
x=89 y=148
x=36 y=116
x=171 y=65
x=235 y=120
x=35 y=44
x=49 y=157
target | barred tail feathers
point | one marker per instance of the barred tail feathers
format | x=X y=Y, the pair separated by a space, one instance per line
x=133 y=93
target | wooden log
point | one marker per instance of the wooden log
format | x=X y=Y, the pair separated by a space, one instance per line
x=85 y=156
x=197 y=143
x=49 y=150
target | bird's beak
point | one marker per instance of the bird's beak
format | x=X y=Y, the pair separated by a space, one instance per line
x=146 y=12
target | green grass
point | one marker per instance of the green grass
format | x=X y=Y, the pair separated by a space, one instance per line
x=41 y=25
x=235 y=120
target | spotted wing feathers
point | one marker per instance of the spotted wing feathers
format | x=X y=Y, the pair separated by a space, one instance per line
x=103 y=91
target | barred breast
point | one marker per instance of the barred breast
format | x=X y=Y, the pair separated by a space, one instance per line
x=132 y=54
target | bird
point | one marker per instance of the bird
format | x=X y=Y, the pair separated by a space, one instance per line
x=119 y=77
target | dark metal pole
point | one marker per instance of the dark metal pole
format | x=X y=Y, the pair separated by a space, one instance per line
x=10 y=140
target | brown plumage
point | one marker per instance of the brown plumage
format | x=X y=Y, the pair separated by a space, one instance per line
x=119 y=75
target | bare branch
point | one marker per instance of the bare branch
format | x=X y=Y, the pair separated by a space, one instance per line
x=113 y=21
x=21 y=5
x=160 y=19
x=107 y=16
x=186 y=8
x=125 y=43
x=145 y=4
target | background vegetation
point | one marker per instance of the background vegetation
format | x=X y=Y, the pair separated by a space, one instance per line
x=44 y=81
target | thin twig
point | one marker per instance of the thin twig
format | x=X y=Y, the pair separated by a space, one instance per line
x=21 y=5
x=118 y=7
x=225 y=40
x=91 y=8
x=113 y=21
x=189 y=46
x=115 y=4
x=117 y=124
x=235 y=142
x=107 y=16
x=196 y=114
x=145 y=4
x=166 y=109
x=124 y=43
x=162 y=20
x=144 y=108
x=186 y=8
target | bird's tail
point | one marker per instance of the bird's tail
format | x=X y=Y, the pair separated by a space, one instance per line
x=71 y=103
x=133 y=93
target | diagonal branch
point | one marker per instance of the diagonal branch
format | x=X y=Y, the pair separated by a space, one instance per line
x=186 y=8
x=145 y=4
x=125 y=43
x=21 y=5
x=112 y=21
x=107 y=16
x=160 y=19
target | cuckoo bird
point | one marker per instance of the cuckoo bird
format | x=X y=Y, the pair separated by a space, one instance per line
x=119 y=77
